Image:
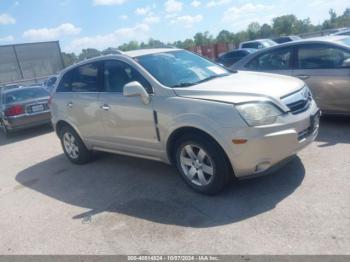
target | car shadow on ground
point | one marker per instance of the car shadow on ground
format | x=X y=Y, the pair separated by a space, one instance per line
x=24 y=134
x=155 y=192
x=334 y=130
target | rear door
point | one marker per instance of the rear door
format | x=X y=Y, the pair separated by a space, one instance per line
x=321 y=67
x=277 y=61
x=77 y=97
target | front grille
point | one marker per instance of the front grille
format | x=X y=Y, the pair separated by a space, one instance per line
x=299 y=106
x=298 y=102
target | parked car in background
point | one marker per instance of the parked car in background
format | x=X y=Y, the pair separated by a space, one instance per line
x=11 y=86
x=344 y=32
x=231 y=57
x=49 y=83
x=258 y=44
x=285 y=39
x=23 y=107
x=174 y=106
x=323 y=63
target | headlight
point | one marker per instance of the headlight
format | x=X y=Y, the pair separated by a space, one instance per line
x=257 y=114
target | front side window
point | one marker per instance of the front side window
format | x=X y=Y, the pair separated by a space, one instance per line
x=117 y=74
x=180 y=68
x=321 y=57
x=274 y=60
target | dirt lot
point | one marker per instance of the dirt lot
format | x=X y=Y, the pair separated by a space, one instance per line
x=122 y=205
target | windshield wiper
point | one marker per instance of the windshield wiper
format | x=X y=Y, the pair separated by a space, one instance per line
x=184 y=84
x=210 y=78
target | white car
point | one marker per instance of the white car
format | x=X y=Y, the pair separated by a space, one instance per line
x=258 y=44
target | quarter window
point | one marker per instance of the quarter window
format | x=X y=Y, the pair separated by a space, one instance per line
x=321 y=56
x=117 y=74
x=84 y=78
x=65 y=83
x=274 y=60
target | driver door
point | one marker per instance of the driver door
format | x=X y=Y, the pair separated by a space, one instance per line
x=129 y=123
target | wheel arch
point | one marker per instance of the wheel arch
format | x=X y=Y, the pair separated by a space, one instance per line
x=62 y=123
x=181 y=131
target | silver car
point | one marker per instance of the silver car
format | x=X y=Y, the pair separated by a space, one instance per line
x=323 y=63
x=23 y=107
x=173 y=106
x=258 y=44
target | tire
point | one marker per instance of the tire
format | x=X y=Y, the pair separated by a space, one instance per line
x=4 y=129
x=203 y=164
x=73 y=146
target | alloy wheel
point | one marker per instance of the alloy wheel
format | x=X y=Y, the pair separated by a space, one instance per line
x=197 y=165
x=70 y=145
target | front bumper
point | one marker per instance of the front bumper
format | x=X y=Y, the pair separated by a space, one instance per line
x=268 y=146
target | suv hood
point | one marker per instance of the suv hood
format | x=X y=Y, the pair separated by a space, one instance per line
x=243 y=87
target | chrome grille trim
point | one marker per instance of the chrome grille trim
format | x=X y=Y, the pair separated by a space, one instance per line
x=299 y=101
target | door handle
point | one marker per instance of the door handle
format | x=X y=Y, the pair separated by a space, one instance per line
x=303 y=77
x=70 y=104
x=105 y=107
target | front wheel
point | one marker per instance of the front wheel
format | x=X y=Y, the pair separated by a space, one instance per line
x=73 y=146
x=203 y=164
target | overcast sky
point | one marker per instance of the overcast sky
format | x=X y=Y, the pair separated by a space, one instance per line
x=102 y=23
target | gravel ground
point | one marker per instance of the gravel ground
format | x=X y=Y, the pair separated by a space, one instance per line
x=123 y=205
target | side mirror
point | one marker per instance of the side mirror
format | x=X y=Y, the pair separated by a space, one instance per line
x=346 y=63
x=136 y=89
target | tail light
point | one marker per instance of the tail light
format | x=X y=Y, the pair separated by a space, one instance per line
x=14 y=110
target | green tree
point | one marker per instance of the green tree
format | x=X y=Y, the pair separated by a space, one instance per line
x=224 y=36
x=132 y=45
x=284 y=25
x=188 y=43
x=89 y=53
x=266 y=31
x=69 y=58
x=203 y=38
x=253 y=30
x=110 y=51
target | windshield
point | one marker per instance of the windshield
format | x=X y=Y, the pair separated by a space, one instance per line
x=25 y=94
x=180 y=68
x=269 y=43
x=345 y=41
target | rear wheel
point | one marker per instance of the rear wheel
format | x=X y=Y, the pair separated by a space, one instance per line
x=73 y=146
x=203 y=164
x=4 y=129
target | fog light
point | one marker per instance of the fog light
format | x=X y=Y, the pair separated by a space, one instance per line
x=262 y=166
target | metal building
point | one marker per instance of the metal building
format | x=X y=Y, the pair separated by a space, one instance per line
x=29 y=63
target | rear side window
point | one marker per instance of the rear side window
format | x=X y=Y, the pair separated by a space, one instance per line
x=321 y=57
x=117 y=74
x=84 y=78
x=235 y=55
x=274 y=60
x=255 y=45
